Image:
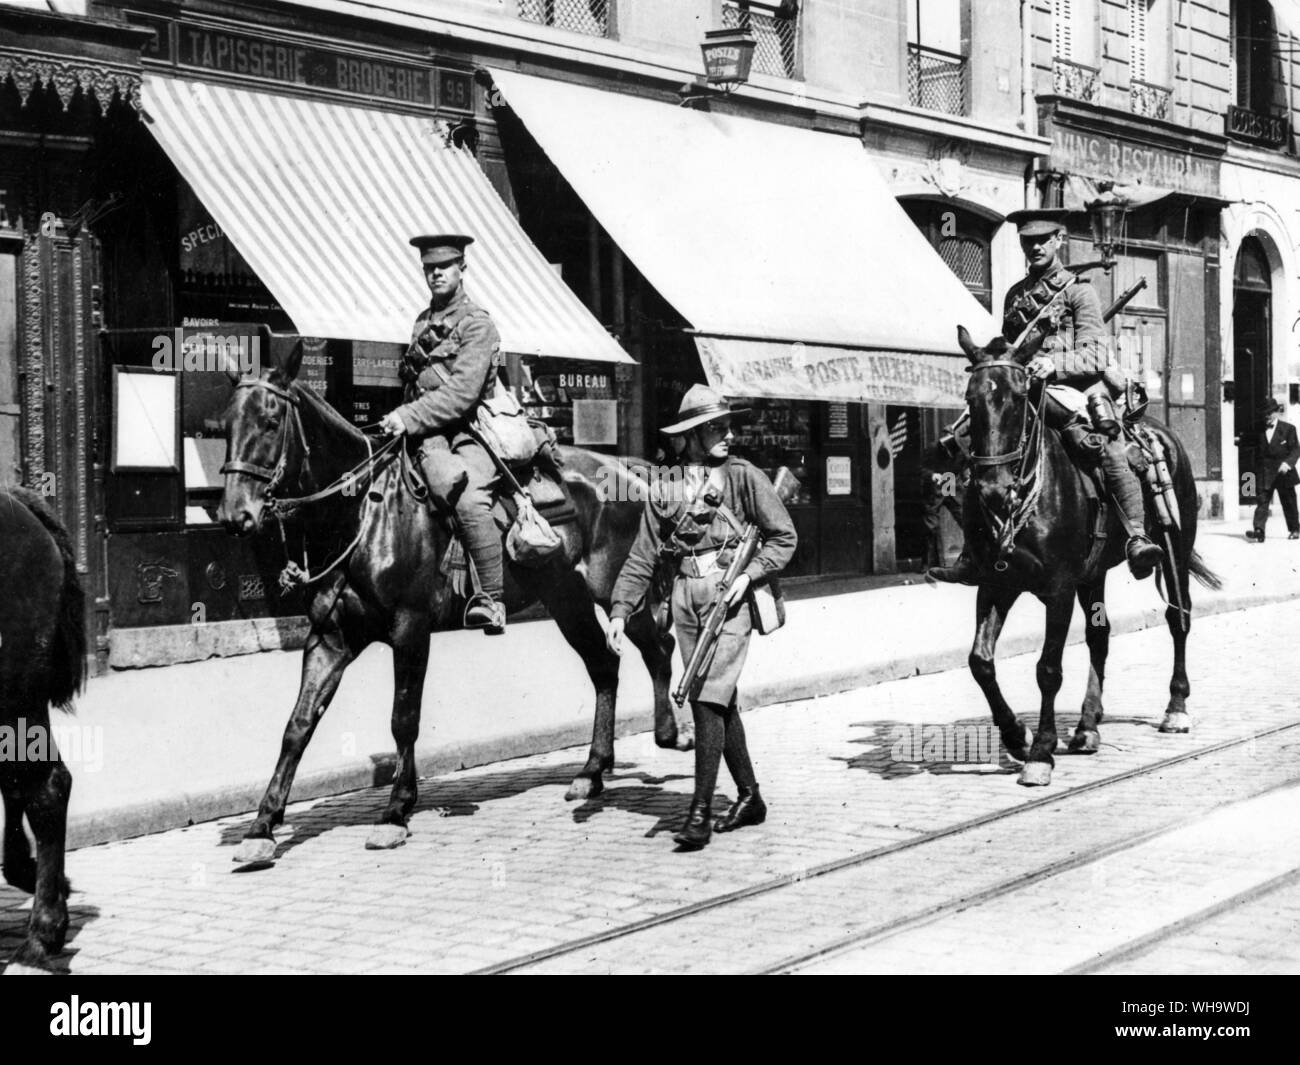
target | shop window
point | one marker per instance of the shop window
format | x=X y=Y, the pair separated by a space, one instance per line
x=938 y=75
x=579 y=16
x=775 y=27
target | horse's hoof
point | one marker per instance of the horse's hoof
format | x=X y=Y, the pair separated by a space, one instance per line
x=1176 y=722
x=686 y=739
x=1035 y=775
x=584 y=788
x=1085 y=741
x=666 y=740
x=385 y=837
x=253 y=850
x=1020 y=751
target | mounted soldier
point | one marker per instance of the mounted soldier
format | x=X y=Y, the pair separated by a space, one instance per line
x=449 y=369
x=1060 y=312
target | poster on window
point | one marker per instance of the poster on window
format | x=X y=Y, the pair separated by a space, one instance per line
x=595 y=421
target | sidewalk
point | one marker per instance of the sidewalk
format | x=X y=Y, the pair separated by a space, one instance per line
x=167 y=747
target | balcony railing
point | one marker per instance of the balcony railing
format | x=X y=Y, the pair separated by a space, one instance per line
x=1076 y=80
x=1241 y=123
x=937 y=80
x=580 y=16
x=1149 y=101
x=775 y=38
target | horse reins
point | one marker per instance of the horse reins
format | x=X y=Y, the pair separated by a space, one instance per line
x=294 y=574
x=1029 y=482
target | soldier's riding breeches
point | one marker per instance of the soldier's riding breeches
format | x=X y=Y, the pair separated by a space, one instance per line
x=474 y=515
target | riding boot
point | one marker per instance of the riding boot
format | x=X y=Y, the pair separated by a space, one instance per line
x=697 y=830
x=748 y=809
x=1123 y=486
x=486 y=609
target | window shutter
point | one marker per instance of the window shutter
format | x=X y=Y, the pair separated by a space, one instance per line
x=1062 y=19
x=1137 y=39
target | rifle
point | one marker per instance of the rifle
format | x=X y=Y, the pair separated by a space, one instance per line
x=787 y=486
x=1124 y=299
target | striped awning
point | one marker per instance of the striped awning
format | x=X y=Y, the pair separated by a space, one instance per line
x=321 y=200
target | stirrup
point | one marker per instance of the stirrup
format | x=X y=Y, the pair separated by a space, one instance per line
x=963 y=571
x=484 y=612
x=1143 y=555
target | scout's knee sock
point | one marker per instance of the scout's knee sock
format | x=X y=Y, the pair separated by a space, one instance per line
x=483 y=542
x=710 y=730
x=736 y=751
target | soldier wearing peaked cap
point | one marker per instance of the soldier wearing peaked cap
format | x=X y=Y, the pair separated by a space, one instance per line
x=696 y=519
x=449 y=368
x=1061 y=310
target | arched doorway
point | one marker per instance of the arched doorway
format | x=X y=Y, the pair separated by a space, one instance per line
x=1252 y=356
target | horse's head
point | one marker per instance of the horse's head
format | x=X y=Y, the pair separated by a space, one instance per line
x=997 y=396
x=262 y=452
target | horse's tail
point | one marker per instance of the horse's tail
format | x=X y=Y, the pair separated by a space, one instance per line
x=1204 y=575
x=68 y=653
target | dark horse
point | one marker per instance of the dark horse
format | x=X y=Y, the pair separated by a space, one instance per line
x=285 y=441
x=42 y=662
x=1030 y=524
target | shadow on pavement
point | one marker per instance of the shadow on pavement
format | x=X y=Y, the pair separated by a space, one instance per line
x=14 y=914
x=899 y=750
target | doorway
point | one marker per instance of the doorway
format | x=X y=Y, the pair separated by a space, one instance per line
x=1252 y=357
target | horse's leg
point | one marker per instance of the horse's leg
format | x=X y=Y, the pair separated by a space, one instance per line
x=657 y=652
x=19 y=865
x=1037 y=770
x=991 y=608
x=410 y=639
x=566 y=596
x=1176 y=717
x=46 y=789
x=324 y=659
x=1092 y=598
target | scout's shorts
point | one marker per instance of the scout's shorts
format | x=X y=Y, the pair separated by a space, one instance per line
x=690 y=601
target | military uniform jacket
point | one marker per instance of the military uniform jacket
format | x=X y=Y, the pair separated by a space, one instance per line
x=446 y=384
x=1076 y=335
x=1284 y=447
x=750 y=496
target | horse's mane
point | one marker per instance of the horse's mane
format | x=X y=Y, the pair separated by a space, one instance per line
x=332 y=418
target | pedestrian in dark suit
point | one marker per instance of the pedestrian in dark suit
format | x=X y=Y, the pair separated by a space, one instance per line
x=944 y=480
x=1279 y=452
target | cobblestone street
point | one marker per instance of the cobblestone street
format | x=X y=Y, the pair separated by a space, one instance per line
x=887 y=849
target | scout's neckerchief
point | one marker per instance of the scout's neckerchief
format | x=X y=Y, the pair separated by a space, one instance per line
x=715 y=482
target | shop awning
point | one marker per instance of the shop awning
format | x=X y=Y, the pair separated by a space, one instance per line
x=783 y=247
x=322 y=199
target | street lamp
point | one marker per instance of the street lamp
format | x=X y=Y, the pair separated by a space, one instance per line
x=1106 y=213
x=728 y=55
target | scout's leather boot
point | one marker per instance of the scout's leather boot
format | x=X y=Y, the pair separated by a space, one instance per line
x=695 y=833
x=963 y=571
x=486 y=613
x=748 y=809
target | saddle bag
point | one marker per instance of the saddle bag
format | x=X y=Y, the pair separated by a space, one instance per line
x=531 y=540
x=504 y=426
x=766 y=606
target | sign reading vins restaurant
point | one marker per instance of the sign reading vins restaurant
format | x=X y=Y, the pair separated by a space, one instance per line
x=290 y=62
x=1129 y=162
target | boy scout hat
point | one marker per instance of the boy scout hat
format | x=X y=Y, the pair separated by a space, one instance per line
x=701 y=404
x=1037 y=222
x=438 y=249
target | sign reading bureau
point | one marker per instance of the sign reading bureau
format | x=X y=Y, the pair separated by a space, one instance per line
x=292 y=62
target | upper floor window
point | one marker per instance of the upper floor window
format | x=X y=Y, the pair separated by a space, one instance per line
x=580 y=16
x=1148 y=63
x=775 y=26
x=1253 y=44
x=1074 y=50
x=937 y=68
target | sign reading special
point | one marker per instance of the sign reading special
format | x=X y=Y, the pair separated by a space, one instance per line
x=777 y=370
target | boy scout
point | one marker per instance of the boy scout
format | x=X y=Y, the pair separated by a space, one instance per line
x=1075 y=355
x=686 y=518
x=449 y=369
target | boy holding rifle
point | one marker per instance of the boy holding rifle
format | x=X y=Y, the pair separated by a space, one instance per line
x=700 y=521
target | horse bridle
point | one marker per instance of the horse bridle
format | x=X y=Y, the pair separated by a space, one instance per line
x=272 y=475
x=1031 y=415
